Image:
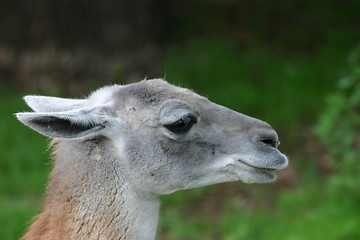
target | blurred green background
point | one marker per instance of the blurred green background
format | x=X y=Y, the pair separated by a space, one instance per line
x=294 y=64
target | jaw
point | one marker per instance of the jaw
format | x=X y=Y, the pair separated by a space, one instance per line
x=249 y=174
x=228 y=168
x=261 y=169
x=234 y=168
x=230 y=173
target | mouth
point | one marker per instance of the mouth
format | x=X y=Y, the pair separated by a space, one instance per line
x=250 y=169
x=264 y=174
x=256 y=167
x=271 y=162
x=269 y=173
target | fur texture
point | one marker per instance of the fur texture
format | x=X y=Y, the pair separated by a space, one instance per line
x=115 y=154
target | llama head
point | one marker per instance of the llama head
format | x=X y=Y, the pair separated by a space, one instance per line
x=167 y=138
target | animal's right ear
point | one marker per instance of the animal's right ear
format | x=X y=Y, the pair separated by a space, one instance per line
x=81 y=123
x=53 y=104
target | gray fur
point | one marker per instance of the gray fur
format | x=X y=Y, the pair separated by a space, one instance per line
x=121 y=158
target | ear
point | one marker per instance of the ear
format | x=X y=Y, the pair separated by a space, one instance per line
x=53 y=104
x=81 y=123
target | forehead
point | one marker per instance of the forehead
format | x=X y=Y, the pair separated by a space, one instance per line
x=152 y=94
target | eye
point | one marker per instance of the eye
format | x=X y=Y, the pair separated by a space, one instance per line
x=183 y=125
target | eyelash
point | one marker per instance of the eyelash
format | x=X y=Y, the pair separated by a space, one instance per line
x=182 y=125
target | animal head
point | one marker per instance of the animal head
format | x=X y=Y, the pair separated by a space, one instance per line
x=166 y=138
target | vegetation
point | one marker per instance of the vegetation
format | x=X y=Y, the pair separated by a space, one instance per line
x=290 y=63
x=23 y=169
x=316 y=206
x=321 y=205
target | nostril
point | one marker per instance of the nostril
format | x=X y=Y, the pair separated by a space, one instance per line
x=266 y=137
x=271 y=142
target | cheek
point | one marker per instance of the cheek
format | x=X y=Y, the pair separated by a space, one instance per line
x=161 y=165
x=170 y=150
x=151 y=163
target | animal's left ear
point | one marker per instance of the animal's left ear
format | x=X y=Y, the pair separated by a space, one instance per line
x=53 y=104
x=80 y=123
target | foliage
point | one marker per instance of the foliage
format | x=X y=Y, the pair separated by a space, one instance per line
x=275 y=60
x=286 y=92
x=339 y=125
x=339 y=129
x=320 y=207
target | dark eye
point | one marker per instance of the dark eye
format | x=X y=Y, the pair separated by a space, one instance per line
x=182 y=125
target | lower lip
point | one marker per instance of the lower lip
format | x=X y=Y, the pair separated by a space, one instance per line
x=268 y=172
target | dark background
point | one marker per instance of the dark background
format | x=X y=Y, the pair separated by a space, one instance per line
x=60 y=43
x=294 y=64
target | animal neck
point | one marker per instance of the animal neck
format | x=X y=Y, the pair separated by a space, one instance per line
x=94 y=202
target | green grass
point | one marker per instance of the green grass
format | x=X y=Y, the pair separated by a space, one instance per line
x=287 y=91
x=23 y=169
x=316 y=209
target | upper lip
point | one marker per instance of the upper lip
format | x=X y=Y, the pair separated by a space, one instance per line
x=258 y=167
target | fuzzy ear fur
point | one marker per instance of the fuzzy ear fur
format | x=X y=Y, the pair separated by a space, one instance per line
x=81 y=123
x=53 y=104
